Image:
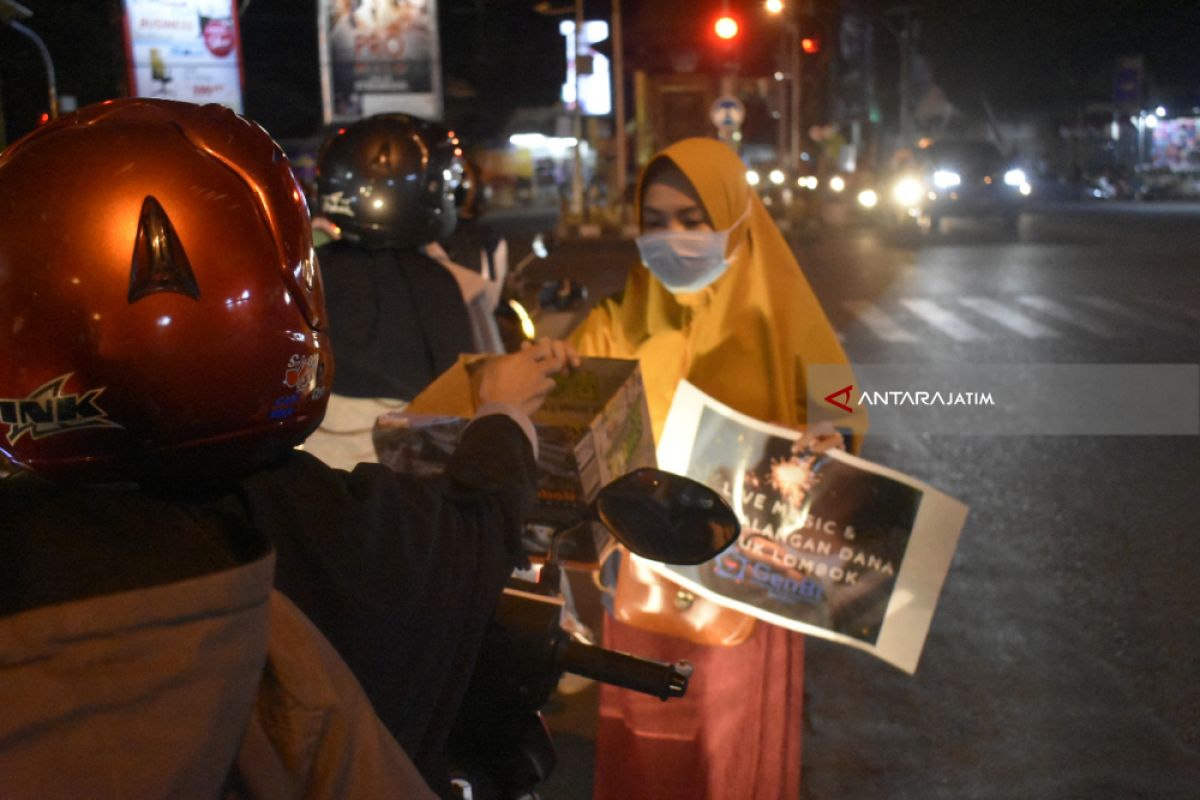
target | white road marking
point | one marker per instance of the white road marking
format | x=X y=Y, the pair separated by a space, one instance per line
x=1174 y=308
x=878 y=321
x=1004 y=314
x=943 y=319
x=1125 y=312
x=1060 y=312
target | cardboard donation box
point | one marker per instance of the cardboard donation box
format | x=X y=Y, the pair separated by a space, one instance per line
x=593 y=427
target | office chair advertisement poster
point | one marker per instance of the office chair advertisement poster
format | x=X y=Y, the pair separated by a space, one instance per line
x=187 y=50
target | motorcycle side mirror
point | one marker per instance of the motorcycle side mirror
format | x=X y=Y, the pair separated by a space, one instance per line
x=666 y=517
x=539 y=249
x=539 y=246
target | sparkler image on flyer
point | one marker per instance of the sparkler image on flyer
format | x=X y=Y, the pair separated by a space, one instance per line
x=821 y=542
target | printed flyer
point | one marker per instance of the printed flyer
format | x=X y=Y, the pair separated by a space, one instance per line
x=832 y=545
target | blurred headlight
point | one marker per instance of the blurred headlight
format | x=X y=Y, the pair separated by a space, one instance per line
x=776 y=176
x=867 y=198
x=752 y=177
x=837 y=183
x=1026 y=189
x=908 y=191
x=945 y=179
x=1015 y=177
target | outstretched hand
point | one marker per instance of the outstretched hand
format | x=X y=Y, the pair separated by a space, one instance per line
x=818 y=438
x=524 y=379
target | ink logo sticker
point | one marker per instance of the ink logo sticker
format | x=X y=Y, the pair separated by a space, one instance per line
x=48 y=411
x=337 y=203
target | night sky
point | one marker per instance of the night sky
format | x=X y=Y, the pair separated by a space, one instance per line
x=1021 y=55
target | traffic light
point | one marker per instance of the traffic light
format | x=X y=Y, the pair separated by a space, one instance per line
x=726 y=28
x=811 y=45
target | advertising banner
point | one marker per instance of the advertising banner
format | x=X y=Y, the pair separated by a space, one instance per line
x=590 y=71
x=379 y=56
x=831 y=545
x=188 y=50
x=1129 y=78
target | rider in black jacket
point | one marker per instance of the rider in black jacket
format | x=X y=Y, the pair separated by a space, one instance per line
x=164 y=345
x=396 y=316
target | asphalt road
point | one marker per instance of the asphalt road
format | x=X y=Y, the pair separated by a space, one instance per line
x=1064 y=657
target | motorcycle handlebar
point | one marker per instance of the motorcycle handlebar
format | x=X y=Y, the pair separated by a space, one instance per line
x=663 y=681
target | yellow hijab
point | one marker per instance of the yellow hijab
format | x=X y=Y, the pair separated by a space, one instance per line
x=745 y=338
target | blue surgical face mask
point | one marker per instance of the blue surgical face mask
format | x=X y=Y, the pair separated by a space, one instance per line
x=686 y=261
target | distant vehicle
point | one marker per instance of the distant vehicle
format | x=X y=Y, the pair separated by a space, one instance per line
x=785 y=192
x=953 y=178
x=775 y=184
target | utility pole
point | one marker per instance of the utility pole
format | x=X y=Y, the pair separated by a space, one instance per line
x=791 y=15
x=577 y=123
x=904 y=38
x=12 y=11
x=783 y=104
x=619 y=111
x=796 y=114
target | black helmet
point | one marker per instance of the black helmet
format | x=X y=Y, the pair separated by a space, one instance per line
x=390 y=181
x=469 y=197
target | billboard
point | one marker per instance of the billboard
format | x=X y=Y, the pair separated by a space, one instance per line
x=1129 y=79
x=379 y=56
x=187 y=50
x=594 y=78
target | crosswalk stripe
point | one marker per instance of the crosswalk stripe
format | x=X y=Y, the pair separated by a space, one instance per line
x=878 y=321
x=1008 y=317
x=1058 y=311
x=1119 y=310
x=1174 y=308
x=944 y=320
x=1080 y=314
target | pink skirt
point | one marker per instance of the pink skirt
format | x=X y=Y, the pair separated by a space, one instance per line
x=734 y=736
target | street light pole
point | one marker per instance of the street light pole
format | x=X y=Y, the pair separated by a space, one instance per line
x=796 y=113
x=577 y=123
x=904 y=38
x=619 y=115
x=9 y=12
x=795 y=124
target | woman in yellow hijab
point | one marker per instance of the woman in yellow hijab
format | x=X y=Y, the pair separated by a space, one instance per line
x=719 y=300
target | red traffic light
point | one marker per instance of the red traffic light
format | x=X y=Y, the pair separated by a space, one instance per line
x=810 y=45
x=726 y=28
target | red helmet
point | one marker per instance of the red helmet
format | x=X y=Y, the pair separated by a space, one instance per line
x=160 y=303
